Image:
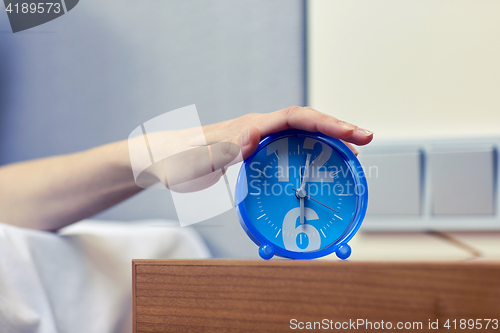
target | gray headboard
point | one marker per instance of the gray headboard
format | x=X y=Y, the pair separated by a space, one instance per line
x=93 y=75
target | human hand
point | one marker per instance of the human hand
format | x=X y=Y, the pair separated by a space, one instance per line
x=196 y=162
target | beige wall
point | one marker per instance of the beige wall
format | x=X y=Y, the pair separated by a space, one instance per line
x=407 y=68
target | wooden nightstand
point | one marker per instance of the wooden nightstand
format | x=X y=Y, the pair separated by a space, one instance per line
x=267 y=296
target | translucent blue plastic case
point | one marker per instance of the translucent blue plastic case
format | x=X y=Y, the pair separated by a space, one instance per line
x=274 y=179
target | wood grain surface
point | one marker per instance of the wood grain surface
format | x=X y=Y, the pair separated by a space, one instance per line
x=264 y=296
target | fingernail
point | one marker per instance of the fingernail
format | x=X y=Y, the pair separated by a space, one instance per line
x=364 y=132
x=346 y=126
x=245 y=138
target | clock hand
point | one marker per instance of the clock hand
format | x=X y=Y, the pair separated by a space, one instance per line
x=297 y=191
x=302 y=191
x=302 y=211
x=306 y=172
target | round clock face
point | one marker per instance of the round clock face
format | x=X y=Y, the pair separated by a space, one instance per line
x=305 y=197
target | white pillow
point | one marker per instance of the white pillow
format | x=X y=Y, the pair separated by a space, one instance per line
x=80 y=279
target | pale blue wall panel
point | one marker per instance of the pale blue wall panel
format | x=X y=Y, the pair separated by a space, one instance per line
x=93 y=75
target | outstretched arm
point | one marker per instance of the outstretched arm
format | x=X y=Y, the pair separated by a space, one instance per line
x=50 y=193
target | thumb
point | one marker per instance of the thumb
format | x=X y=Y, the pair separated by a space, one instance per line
x=204 y=160
x=198 y=162
x=248 y=141
x=235 y=150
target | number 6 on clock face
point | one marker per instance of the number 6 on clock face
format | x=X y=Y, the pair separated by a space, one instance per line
x=295 y=236
x=307 y=196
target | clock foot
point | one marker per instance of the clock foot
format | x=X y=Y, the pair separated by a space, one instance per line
x=266 y=251
x=344 y=251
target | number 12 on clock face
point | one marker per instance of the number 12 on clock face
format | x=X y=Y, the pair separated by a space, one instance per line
x=306 y=196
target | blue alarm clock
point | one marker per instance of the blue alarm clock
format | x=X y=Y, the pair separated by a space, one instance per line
x=301 y=195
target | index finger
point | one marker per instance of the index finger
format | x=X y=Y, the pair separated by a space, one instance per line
x=310 y=120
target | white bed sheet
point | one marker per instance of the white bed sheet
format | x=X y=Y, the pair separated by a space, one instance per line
x=80 y=279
